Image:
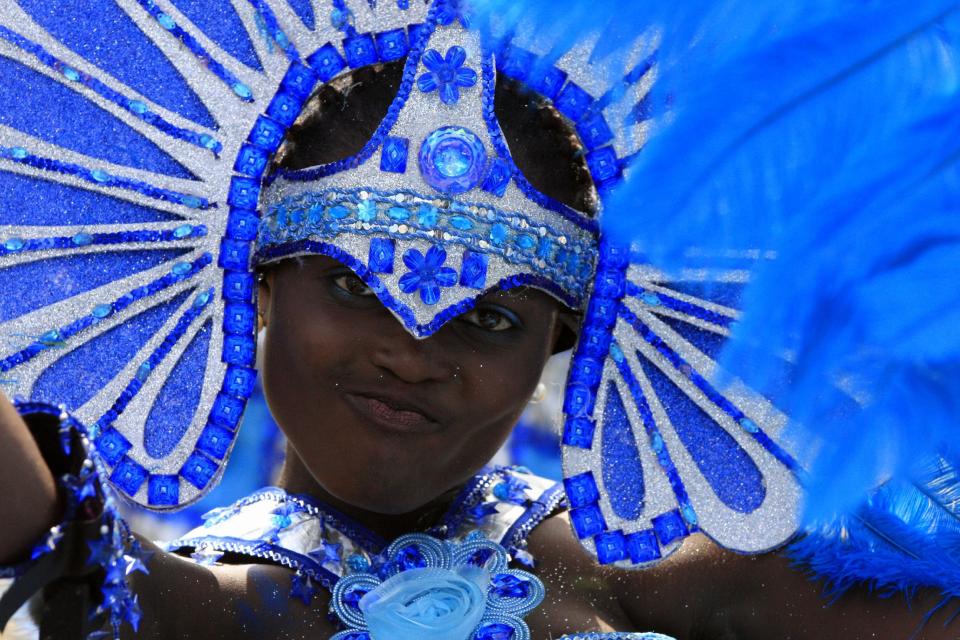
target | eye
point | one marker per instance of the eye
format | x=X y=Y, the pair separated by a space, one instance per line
x=491 y=318
x=350 y=283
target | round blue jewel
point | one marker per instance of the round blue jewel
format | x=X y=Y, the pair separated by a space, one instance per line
x=101 y=311
x=183 y=231
x=338 y=212
x=452 y=160
x=82 y=239
x=18 y=153
x=525 y=241
x=14 y=244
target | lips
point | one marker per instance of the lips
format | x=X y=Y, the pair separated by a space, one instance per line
x=390 y=414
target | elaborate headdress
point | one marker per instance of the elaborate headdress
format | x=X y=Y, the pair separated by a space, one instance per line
x=131 y=181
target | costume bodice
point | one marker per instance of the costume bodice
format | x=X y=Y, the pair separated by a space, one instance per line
x=502 y=504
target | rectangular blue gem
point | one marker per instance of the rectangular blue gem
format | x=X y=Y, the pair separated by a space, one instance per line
x=242 y=224
x=392 y=45
x=112 y=446
x=239 y=350
x=215 y=441
x=226 y=411
x=244 y=193
x=234 y=255
x=546 y=80
x=239 y=382
x=284 y=108
x=267 y=134
x=581 y=490
x=381 y=255
x=360 y=50
x=299 y=80
x=238 y=286
x=473 y=269
x=251 y=161
x=163 y=491
x=594 y=130
x=642 y=546
x=516 y=62
x=129 y=476
x=239 y=318
x=498 y=177
x=327 y=62
x=393 y=155
x=603 y=164
x=198 y=470
x=587 y=521
x=578 y=432
x=611 y=547
x=573 y=101
x=669 y=527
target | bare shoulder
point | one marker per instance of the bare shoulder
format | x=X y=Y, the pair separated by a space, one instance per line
x=182 y=599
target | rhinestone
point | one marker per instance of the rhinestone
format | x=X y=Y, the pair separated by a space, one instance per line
x=182 y=268
x=71 y=74
x=18 y=153
x=102 y=311
x=182 y=231
x=99 y=175
x=749 y=425
x=82 y=239
x=137 y=107
x=166 y=22
x=242 y=90
x=14 y=244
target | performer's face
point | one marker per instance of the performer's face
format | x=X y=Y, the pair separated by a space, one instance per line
x=383 y=421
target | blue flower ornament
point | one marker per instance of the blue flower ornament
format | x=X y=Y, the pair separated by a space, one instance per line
x=446 y=75
x=427 y=274
x=429 y=589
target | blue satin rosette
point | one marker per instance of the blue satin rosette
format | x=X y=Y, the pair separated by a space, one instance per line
x=429 y=589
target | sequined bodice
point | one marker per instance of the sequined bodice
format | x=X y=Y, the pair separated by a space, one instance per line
x=501 y=504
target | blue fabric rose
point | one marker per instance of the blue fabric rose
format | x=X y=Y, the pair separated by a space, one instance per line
x=421 y=604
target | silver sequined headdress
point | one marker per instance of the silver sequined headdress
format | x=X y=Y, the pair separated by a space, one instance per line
x=132 y=161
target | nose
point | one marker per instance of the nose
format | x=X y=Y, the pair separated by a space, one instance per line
x=410 y=359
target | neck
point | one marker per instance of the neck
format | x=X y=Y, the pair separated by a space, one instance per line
x=295 y=478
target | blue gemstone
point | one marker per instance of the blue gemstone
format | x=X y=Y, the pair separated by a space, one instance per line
x=452 y=162
x=137 y=107
x=71 y=74
x=226 y=411
x=603 y=164
x=507 y=585
x=239 y=350
x=749 y=425
x=101 y=311
x=611 y=547
x=594 y=130
x=82 y=239
x=393 y=156
x=182 y=268
x=242 y=90
x=198 y=470
x=208 y=141
x=642 y=546
x=587 y=521
x=112 y=446
x=299 y=80
x=239 y=382
x=573 y=101
x=367 y=210
x=18 y=153
x=669 y=527
x=191 y=201
x=166 y=22
x=656 y=443
x=338 y=213
x=238 y=286
x=358 y=563
x=525 y=241
x=499 y=233
x=616 y=352
x=410 y=558
x=144 y=371
x=361 y=50
x=381 y=255
x=183 y=231
x=239 y=318
x=392 y=44
x=163 y=490
x=650 y=298
x=100 y=175
x=473 y=269
x=462 y=223
x=267 y=134
x=129 y=476
x=494 y=631
x=689 y=514
x=327 y=62
x=251 y=160
x=578 y=432
x=581 y=489
x=498 y=177
x=14 y=244
x=427 y=216
x=203 y=299
x=398 y=213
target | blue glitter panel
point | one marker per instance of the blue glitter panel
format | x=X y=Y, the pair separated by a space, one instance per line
x=60 y=115
x=304 y=10
x=33 y=285
x=220 y=22
x=622 y=471
x=199 y=470
x=173 y=409
x=103 y=34
x=51 y=203
x=80 y=374
x=728 y=469
x=163 y=491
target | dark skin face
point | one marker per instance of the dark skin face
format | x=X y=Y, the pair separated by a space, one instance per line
x=379 y=423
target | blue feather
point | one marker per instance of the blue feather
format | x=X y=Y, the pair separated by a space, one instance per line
x=827 y=133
